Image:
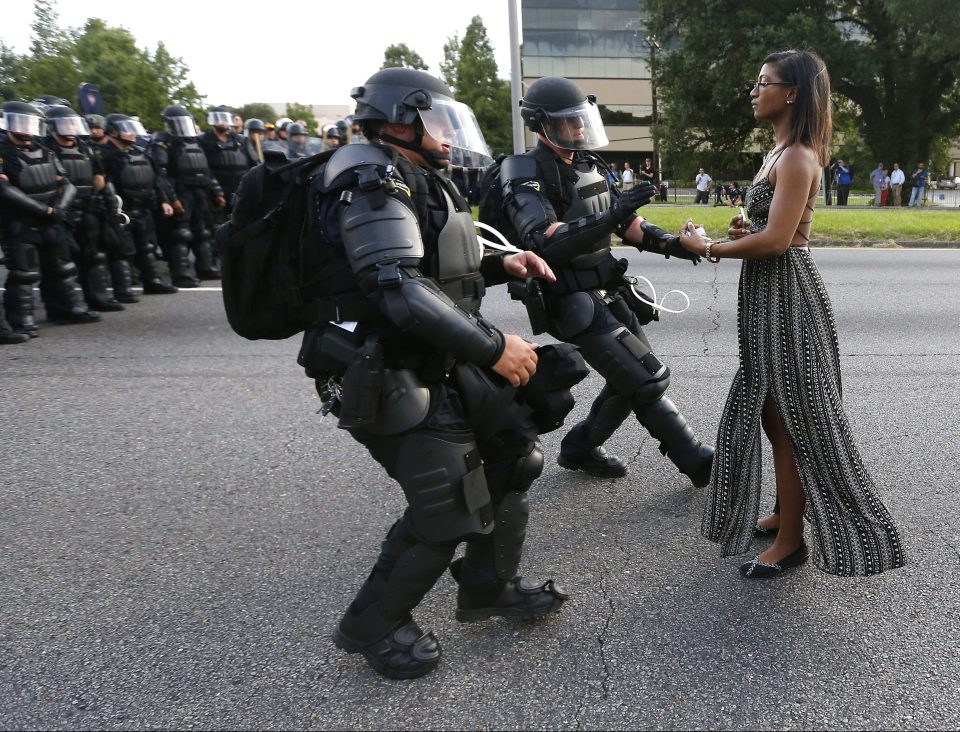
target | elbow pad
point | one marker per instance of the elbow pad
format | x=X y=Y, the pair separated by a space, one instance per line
x=420 y=308
x=375 y=228
x=68 y=192
x=583 y=236
x=14 y=196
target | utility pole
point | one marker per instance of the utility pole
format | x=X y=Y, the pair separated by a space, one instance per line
x=654 y=46
x=515 y=91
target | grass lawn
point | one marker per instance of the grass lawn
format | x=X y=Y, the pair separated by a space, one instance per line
x=829 y=223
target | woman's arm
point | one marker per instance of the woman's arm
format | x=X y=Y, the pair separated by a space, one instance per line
x=795 y=174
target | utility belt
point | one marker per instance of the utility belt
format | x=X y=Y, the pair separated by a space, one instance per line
x=608 y=273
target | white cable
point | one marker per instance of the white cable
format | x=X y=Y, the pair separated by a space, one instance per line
x=121 y=212
x=505 y=247
x=632 y=281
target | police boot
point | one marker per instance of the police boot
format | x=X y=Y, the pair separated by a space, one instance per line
x=479 y=598
x=74 y=316
x=153 y=284
x=7 y=335
x=207 y=268
x=577 y=454
x=677 y=441
x=95 y=283
x=18 y=300
x=181 y=270
x=398 y=650
x=122 y=281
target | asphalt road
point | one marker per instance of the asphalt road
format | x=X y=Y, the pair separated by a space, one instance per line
x=179 y=533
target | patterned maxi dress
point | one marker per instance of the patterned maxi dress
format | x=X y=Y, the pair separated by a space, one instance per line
x=788 y=347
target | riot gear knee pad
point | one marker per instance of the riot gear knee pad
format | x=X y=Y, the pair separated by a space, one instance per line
x=24 y=277
x=626 y=362
x=664 y=422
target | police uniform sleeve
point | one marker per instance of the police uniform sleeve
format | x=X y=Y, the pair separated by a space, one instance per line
x=382 y=243
x=13 y=196
x=159 y=156
x=530 y=212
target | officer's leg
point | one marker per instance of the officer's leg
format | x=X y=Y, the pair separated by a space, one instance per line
x=120 y=254
x=92 y=263
x=58 y=280
x=21 y=247
x=175 y=237
x=586 y=321
x=201 y=224
x=144 y=235
x=8 y=336
x=438 y=466
x=487 y=576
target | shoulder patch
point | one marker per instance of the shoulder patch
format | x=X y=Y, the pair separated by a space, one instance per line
x=534 y=184
x=399 y=185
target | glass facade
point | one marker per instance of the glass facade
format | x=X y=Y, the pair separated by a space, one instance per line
x=586 y=39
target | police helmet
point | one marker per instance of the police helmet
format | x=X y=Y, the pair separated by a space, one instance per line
x=95 y=121
x=414 y=97
x=65 y=122
x=124 y=128
x=23 y=120
x=333 y=132
x=49 y=100
x=281 y=124
x=178 y=121
x=254 y=125
x=219 y=117
x=294 y=128
x=559 y=110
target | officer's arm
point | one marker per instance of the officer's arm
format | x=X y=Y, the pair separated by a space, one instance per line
x=12 y=195
x=381 y=240
x=68 y=191
x=531 y=214
x=160 y=158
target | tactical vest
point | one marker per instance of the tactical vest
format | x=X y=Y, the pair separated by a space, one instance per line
x=79 y=168
x=38 y=175
x=137 y=178
x=188 y=163
x=455 y=260
x=590 y=194
x=228 y=158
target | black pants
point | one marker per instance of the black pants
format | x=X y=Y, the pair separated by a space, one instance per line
x=843 y=193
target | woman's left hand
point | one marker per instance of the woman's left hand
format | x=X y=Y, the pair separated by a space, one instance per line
x=691 y=240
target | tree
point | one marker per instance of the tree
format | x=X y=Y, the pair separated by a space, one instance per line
x=400 y=55
x=257 y=110
x=50 y=68
x=470 y=70
x=172 y=73
x=894 y=62
x=302 y=111
x=12 y=73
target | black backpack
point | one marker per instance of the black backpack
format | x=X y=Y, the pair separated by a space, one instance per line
x=267 y=292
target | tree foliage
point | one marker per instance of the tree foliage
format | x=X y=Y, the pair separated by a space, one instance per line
x=892 y=65
x=400 y=55
x=302 y=111
x=131 y=79
x=258 y=110
x=470 y=70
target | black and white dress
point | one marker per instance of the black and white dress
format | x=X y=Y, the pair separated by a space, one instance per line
x=788 y=347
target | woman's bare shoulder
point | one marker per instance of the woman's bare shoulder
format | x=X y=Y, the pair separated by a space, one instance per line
x=799 y=154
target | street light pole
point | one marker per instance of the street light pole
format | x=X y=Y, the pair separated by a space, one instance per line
x=654 y=47
x=519 y=147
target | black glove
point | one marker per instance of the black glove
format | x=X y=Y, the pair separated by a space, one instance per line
x=629 y=201
x=658 y=241
x=675 y=249
x=57 y=216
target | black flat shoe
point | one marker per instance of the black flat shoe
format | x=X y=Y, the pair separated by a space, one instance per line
x=755 y=569
x=763 y=532
x=596 y=463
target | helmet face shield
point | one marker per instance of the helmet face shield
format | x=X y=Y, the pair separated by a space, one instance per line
x=454 y=124
x=25 y=125
x=68 y=126
x=219 y=119
x=575 y=128
x=129 y=129
x=181 y=126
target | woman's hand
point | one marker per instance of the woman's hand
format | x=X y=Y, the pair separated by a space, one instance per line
x=691 y=240
x=739 y=227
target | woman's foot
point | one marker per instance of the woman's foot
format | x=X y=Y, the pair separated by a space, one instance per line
x=774 y=561
x=768 y=525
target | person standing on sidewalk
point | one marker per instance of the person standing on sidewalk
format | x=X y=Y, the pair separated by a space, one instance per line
x=626 y=178
x=919 y=179
x=897 y=179
x=876 y=178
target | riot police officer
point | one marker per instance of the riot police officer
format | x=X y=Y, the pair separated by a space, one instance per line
x=561 y=206
x=229 y=155
x=180 y=159
x=404 y=263
x=96 y=123
x=35 y=195
x=332 y=138
x=85 y=216
x=297 y=141
x=131 y=174
x=255 y=131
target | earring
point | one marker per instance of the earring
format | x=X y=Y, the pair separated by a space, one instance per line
x=789 y=101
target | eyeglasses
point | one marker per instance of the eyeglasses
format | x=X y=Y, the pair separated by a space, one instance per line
x=759 y=84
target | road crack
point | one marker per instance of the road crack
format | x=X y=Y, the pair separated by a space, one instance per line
x=714 y=312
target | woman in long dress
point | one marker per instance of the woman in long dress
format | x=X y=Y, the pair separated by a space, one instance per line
x=789 y=376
